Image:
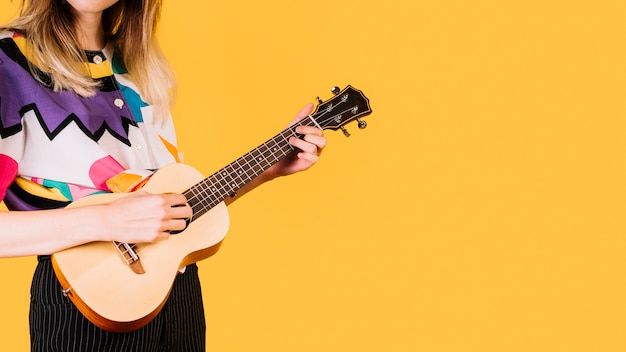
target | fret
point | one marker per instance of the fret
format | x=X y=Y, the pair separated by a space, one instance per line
x=230 y=177
x=284 y=138
x=240 y=171
x=218 y=185
x=258 y=162
x=195 y=198
x=244 y=171
x=272 y=149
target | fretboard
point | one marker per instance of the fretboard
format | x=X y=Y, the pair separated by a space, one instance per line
x=214 y=189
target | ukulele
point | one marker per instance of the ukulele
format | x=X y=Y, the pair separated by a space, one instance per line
x=121 y=287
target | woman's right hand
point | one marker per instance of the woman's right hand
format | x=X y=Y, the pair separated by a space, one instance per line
x=144 y=217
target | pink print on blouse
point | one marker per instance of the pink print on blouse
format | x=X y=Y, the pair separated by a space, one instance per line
x=8 y=171
x=102 y=170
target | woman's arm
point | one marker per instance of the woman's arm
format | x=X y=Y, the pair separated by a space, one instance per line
x=138 y=217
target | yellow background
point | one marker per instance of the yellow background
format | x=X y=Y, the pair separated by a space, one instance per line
x=482 y=209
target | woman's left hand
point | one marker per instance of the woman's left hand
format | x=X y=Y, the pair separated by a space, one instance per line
x=309 y=148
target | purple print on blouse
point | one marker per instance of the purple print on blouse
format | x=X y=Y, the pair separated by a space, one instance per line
x=13 y=202
x=20 y=93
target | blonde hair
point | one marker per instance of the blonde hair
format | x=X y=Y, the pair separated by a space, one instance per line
x=129 y=24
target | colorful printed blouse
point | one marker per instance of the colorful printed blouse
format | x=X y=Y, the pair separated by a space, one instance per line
x=56 y=147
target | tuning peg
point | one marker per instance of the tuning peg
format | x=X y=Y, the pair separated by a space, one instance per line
x=362 y=124
x=345 y=131
x=319 y=100
x=335 y=90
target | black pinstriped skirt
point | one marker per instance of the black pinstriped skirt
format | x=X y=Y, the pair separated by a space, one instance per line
x=57 y=326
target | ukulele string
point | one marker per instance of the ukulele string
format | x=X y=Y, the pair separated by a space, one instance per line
x=225 y=183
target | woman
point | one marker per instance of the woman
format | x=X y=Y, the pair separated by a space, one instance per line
x=85 y=94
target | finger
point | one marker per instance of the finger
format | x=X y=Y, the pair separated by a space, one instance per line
x=306 y=111
x=311 y=158
x=181 y=211
x=174 y=199
x=174 y=225
x=304 y=145
x=163 y=235
x=309 y=130
x=318 y=141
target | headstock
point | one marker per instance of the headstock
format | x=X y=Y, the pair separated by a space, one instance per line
x=347 y=105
